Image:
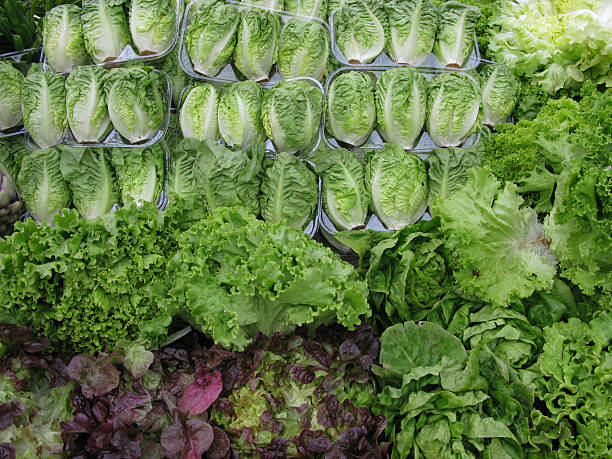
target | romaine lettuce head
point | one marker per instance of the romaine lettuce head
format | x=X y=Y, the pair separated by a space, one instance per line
x=239 y=114
x=42 y=186
x=360 y=30
x=397 y=184
x=63 y=39
x=198 y=116
x=210 y=38
x=44 y=107
x=453 y=108
x=140 y=173
x=86 y=104
x=181 y=172
x=412 y=30
x=401 y=106
x=447 y=171
x=350 y=114
x=11 y=81
x=291 y=115
x=500 y=93
x=456 y=28
x=289 y=192
x=91 y=180
x=152 y=24
x=345 y=196
x=312 y=8
x=257 y=47
x=180 y=79
x=136 y=102
x=226 y=176
x=303 y=50
x=267 y=4
x=105 y=29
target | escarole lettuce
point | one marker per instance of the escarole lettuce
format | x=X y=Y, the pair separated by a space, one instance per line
x=499 y=250
x=234 y=276
x=555 y=43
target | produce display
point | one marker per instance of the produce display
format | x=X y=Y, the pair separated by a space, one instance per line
x=254 y=40
x=102 y=31
x=85 y=107
x=408 y=30
x=306 y=229
x=399 y=102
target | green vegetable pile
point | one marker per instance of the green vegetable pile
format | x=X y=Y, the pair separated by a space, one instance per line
x=342 y=232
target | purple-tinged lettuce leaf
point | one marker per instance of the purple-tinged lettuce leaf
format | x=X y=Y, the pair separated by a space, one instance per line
x=96 y=376
x=201 y=394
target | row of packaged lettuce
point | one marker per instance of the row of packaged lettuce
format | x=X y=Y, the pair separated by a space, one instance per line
x=386 y=189
x=254 y=36
x=130 y=106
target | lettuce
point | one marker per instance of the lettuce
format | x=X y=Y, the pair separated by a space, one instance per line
x=499 y=250
x=574 y=390
x=87 y=280
x=580 y=224
x=283 y=402
x=234 y=276
x=555 y=43
x=443 y=401
x=407 y=271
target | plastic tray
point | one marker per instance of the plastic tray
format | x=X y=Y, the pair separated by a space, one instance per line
x=114 y=139
x=221 y=85
x=20 y=61
x=129 y=55
x=230 y=73
x=431 y=62
x=375 y=141
x=162 y=201
x=373 y=223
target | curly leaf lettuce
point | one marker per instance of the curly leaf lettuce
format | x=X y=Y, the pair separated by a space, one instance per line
x=580 y=224
x=575 y=389
x=234 y=276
